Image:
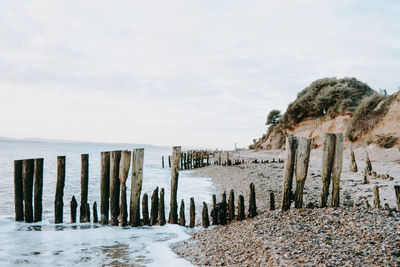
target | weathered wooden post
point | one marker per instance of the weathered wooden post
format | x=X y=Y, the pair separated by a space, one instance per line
x=161 y=209
x=208 y=158
x=271 y=201
x=192 y=213
x=368 y=168
x=353 y=166
x=169 y=161
x=84 y=217
x=241 y=214
x=104 y=186
x=291 y=145
x=397 y=192
x=38 y=189
x=231 y=206
x=162 y=162
x=87 y=212
x=302 y=160
x=27 y=186
x=136 y=186
x=377 y=201
x=204 y=216
x=219 y=158
x=337 y=170
x=154 y=207
x=327 y=164
x=58 y=203
x=182 y=221
x=145 y=209
x=95 y=216
x=227 y=159
x=214 y=214
x=181 y=160
x=73 y=205
x=252 y=202
x=114 y=186
x=173 y=214
x=18 y=191
x=124 y=166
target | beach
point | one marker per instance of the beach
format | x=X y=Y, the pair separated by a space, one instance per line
x=351 y=235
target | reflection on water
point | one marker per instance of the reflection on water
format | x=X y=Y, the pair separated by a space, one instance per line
x=47 y=244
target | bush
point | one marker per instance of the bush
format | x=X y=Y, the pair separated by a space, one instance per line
x=273 y=117
x=325 y=96
x=386 y=141
x=370 y=111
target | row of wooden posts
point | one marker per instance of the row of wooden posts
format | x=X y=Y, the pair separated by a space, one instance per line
x=196 y=159
x=115 y=165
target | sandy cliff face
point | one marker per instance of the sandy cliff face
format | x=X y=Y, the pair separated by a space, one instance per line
x=315 y=128
x=390 y=124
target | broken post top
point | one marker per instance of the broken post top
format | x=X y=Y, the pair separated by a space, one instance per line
x=124 y=166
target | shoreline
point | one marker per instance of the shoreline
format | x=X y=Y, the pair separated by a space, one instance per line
x=350 y=235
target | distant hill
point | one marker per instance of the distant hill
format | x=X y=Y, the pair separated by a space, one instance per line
x=337 y=105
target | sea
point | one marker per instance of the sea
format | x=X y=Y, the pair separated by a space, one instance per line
x=89 y=244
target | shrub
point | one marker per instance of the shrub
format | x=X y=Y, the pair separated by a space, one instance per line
x=273 y=117
x=370 y=111
x=325 y=96
x=386 y=140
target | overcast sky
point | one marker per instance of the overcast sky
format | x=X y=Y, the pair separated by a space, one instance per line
x=194 y=73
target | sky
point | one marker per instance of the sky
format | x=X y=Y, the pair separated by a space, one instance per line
x=195 y=73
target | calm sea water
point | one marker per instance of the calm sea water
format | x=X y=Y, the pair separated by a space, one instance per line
x=47 y=244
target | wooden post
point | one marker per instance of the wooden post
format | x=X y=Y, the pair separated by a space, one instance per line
x=337 y=170
x=219 y=158
x=302 y=160
x=27 y=186
x=87 y=213
x=169 y=161
x=73 y=205
x=58 y=203
x=271 y=201
x=38 y=189
x=252 y=202
x=214 y=214
x=231 y=206
x=222 y=210
x=173 y=214
x=18 y=191
x=114 y=186
x=291 y=144
x=145 y=209
x=162 y=162
x=192 y=213
x=227 y=158
x=136 y=186
x=154 y=207
x=353 y=166
x=104 y=187
x=241 y=214
x=208 y=158
x=397 y=192
x=182 y=221
x=204 y=216
x=84 y=217
x=377 y=201
x=95 y=217
x=161 y=209
x=368 y=168
x=124 y=166
x=327 y=164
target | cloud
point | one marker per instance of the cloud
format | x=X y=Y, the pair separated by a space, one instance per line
x=199 y=73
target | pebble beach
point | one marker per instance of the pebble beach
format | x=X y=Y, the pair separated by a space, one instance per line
x=352 y=235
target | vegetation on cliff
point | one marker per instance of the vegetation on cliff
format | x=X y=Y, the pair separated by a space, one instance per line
x=325 y=96
x=328 y=98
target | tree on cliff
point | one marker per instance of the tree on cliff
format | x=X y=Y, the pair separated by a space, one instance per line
x=273 y=117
